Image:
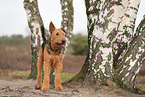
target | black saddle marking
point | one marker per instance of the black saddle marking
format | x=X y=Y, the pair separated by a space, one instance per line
x=43 y=44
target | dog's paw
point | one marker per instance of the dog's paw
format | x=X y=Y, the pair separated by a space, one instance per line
x=44 y=88
x=58 y=88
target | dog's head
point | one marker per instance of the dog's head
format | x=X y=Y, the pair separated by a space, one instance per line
x=57 y=37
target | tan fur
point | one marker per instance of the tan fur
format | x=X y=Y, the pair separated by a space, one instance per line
x=51 y=60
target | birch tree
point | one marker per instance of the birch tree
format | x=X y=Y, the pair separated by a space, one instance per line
x=34 y=22
x=67 y=19
x=115 y=52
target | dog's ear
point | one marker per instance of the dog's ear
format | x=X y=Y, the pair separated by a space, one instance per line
x=51 y=27
x=63 y=30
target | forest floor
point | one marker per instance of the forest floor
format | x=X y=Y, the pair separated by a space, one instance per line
x=25 y=88
x=15 y=63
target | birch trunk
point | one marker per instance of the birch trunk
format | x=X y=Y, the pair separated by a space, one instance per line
x=34 y=22
x=67 y=19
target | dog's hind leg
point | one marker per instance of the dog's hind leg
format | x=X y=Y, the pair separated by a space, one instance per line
x=39 y=67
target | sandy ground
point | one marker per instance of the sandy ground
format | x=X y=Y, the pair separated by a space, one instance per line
x=26 y=89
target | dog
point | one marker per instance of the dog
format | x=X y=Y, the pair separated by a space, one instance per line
x=50 y=56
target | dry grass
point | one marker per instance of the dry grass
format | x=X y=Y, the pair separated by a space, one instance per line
x=18 y=57
x=14 y=75
x=23 y=75
x=15 y=57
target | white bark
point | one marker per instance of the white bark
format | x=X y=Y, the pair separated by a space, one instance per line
x=133 y=58
x=67 y=19
x=34 y=22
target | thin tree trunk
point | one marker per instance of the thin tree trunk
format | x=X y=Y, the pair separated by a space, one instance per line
x=67 y=19
x=34 y=22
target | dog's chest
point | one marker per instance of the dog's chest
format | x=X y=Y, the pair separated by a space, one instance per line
x=54 y=60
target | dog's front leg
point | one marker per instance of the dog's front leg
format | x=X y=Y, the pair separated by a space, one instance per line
x=58 y=81
x=47 y=69
x=39 y=68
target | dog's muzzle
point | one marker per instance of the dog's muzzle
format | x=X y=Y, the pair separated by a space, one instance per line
x=61 y=44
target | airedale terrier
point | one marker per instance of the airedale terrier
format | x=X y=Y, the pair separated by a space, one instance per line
x=50 y=56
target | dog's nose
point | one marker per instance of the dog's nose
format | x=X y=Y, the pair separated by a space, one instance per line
x=63 y=41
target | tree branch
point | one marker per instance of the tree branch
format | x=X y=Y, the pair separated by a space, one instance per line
x=125 y=30
x=133 y=57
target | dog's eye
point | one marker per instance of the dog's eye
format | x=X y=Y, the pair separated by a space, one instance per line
x=57 y=34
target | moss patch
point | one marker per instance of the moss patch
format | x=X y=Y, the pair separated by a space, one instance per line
x=141 y=86
x=23 y=75
x=66 y=76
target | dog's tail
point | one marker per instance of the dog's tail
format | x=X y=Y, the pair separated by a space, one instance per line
x=43 y=33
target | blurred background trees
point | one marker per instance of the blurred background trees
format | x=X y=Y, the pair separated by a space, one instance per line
x=78 y=46
x=14 y=40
